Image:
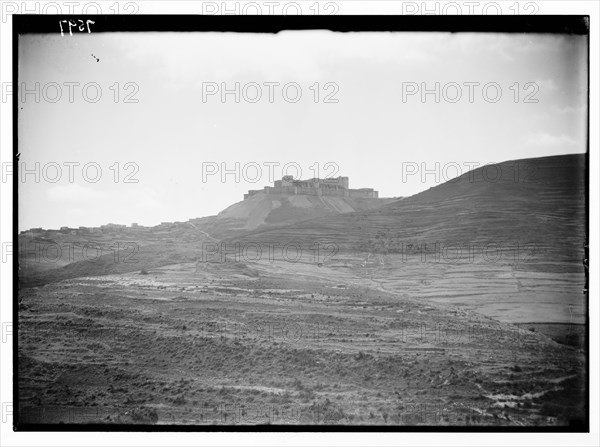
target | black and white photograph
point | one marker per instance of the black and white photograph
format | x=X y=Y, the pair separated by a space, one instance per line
x=302 y=220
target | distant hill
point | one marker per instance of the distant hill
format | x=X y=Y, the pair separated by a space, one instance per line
x=171 y=244
x=511 y=247
x=539 y=202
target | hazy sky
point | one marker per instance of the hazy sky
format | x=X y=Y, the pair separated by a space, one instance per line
x=369 y=133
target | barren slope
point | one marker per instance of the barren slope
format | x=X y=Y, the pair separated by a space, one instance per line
x=510 y=247
x=272 y=209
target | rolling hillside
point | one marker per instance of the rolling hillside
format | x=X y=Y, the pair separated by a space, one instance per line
x=536 y=202
x=522 y=233
x=42 y=261
x=510 y=248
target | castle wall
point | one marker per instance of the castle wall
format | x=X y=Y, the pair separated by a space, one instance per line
x=316 y=187
x=366 y=193
x=251 y=193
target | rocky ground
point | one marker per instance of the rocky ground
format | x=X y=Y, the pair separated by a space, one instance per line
x=237 y=344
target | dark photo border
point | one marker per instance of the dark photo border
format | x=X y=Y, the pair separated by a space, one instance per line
x=36 y=24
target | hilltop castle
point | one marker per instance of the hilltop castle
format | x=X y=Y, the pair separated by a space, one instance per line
x=315 y=187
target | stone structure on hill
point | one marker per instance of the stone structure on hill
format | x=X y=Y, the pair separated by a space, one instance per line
x=315 y=187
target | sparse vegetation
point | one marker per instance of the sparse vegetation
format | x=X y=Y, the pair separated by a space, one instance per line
x=139 y=346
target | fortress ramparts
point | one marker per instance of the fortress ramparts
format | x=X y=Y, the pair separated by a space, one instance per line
x=338 y=187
